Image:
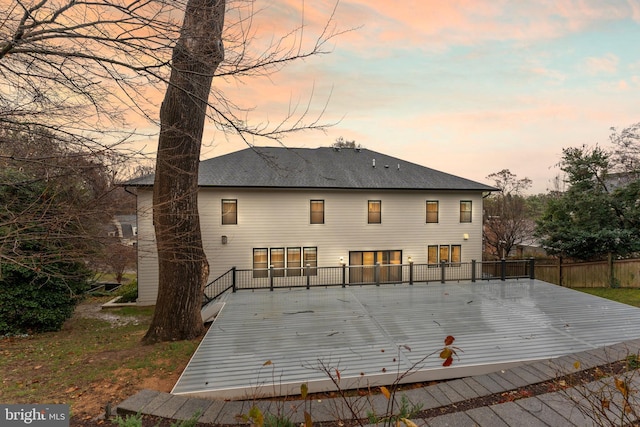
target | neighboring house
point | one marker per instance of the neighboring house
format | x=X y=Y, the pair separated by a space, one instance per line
x=289 y=207
x=125 y=228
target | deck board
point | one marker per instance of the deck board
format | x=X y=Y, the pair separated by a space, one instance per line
x=361 y=331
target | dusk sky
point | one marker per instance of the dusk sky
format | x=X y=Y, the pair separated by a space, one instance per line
x=466 y=87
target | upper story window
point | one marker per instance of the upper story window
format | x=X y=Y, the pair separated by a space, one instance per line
x=432 y=211
x=375 y=212
x=229 y=211
x=465 y=211
x=317 y=212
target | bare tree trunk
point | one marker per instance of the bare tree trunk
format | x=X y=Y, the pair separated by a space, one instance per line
x=183 y=267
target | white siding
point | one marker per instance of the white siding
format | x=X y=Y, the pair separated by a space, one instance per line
x=280 y=218
x=147 y=255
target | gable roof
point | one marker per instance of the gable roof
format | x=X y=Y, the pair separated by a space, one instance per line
x=325 y=167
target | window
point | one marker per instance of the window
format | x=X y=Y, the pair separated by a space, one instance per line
x=432 y=254
x=277 y=261
x=229 y=211
x=465 y=211
x=260 y=263
x=444 y=253
x=294 y=262
x=432 y=211
x=456 y=251
x=450 y=254
x=375 y=210
x=310 y=257
x=317 y=212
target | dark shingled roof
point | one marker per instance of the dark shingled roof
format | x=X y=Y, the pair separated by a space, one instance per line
x=325 y=167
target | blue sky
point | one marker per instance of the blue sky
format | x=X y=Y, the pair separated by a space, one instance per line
x=466 y=87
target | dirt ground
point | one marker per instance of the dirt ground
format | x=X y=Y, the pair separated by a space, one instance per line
x=90 y=366
x=92 y=402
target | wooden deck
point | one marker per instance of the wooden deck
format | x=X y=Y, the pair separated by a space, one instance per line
x=366 y=333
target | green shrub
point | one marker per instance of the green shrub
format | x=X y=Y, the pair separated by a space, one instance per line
x=129 y=420
x=32 y=301
x=129 y=292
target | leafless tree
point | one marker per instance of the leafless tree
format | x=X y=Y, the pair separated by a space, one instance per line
x=506 y=221
x=198 y=60
x=118 y=257
x=78 y=70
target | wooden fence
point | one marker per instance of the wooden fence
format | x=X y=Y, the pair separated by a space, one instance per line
x=600 y=274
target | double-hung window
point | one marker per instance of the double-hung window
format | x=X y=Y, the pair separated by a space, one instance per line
x=317 y=212
x=229 y=211
x=294 y=262
x=432 y=211
x=310 y=258
x=465 y=211
x=450 y=254
x=260 y=263
x=277 y=261
x=375 y=212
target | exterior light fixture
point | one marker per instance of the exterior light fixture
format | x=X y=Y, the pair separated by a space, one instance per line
x=341 y=260
x=409 y=260
x=465 y=236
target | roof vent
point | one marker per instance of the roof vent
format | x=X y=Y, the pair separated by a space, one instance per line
x=386 y=166
x=398 y=166
x=374 y=163
x=357 y=149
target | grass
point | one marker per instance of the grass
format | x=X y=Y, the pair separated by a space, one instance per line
x=630 y=296
x=91 y=361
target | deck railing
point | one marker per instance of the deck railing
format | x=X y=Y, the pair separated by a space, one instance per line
x=359 y=275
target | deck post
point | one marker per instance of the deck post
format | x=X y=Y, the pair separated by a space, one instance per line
x=503 y=269
x=376 y=272
x=307 y=272
x=234 y=285
x=271 y=278
x=532 y=268
x=344 y=275
x=411 y=272
x=442 y=271
x=473 y=271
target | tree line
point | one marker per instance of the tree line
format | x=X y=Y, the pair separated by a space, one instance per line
x=596 y=215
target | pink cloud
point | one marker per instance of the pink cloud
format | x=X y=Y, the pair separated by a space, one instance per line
x=436 y=25
x=607 y=64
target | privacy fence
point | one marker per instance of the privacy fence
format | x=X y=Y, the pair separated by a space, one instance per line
x=348 y=275
x=624 y=273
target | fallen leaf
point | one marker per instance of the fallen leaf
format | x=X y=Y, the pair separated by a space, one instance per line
x=386 y=392
x=267 y=363
x=576 y=364
x=408 y=423
x=446 y=353
x=622 y=387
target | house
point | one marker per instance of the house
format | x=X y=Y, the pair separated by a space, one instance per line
x=124 y=228
x=296 y=207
